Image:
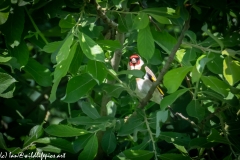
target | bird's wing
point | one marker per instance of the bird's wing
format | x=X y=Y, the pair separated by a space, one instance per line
x=153 y=78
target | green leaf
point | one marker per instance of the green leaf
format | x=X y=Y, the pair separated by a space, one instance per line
x=4 y=59
x=35 y=133
x=50 y=148
x=97 y=70
x=109 y=45
x=133 y=123
x=200 y=65
x=168 y=100
x=83 y=120
x=76 y=61
x=81 y=142
x=57 y=142
x=161 y=19
x=2 y=142
x=163 y=11
x=67 y=23
x=90 y=48
x=52 y=47
x=90 y=150
x=52 y=97
x=231 y=70
x=135 y=73
x=113 y=89
x=145 y=43
x=13 y=28
x=140 y=21
x=3 y=17
x=170 y=156
x=138 y=154
x=191 y=35
x=40 y=74
x=77 y=87
x=173 y=78
x=164 y=40
x=89 y=110
x=109 y=142
x=200 y=142
x=65 y=49
x=161 y=116
x=63 y=66
x=216 y=65
x=214 y=136
x=205 y=29
x=175 y=138
x=60 y=130
x=21 y=53
x=194 y=109
x=216 y=85
x=5 y=82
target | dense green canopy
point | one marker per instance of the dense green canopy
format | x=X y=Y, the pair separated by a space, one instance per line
x=65 y=89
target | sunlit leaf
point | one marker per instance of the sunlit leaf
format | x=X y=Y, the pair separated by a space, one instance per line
x=51 y=47
x=231 y=70
x=173 y=78
x=200 y=65
x=5 y=82
x=97 y=70
x=90 y=48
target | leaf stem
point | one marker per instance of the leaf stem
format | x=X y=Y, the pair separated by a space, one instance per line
x=123 y=12
x=225 y=133
x=150 y=135
x=196 y=91
x=35 y=26
x=202 y=48
x=69 y=110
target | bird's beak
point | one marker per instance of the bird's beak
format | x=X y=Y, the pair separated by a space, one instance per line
x=134 y=61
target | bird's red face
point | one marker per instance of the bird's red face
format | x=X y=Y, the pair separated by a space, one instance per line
x=134 y=60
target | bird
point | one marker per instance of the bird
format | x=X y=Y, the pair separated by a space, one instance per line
x=144 y=84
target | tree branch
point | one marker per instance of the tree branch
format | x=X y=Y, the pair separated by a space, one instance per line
x=103 y=16
x=144 y=101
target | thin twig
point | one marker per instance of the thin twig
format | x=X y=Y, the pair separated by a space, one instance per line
x=150 y=135
x=202 y=48
x=103 y=16
x=35 y=26
x=165 y=67
x=186 y=119
x=225 y=133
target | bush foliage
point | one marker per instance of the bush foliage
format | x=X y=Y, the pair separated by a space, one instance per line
x=65 y=87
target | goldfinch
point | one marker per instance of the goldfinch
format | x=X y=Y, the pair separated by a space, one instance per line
x=143 y=85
